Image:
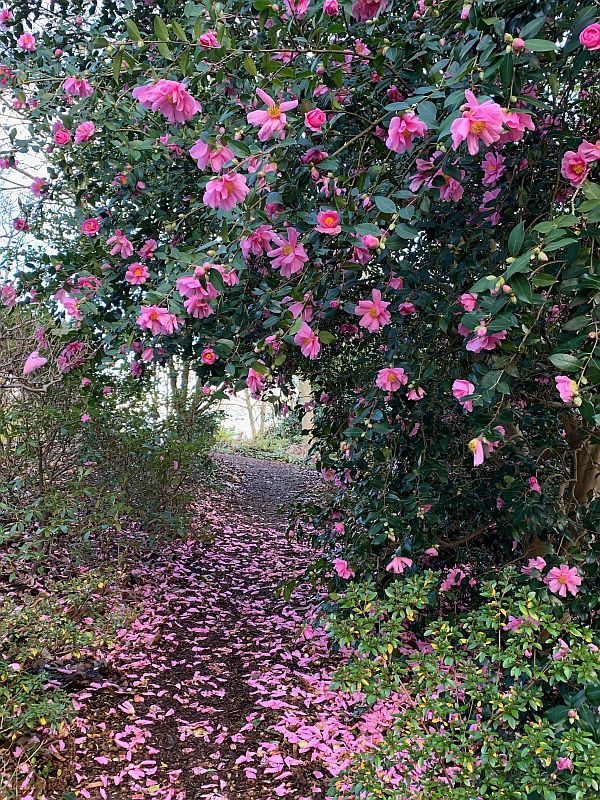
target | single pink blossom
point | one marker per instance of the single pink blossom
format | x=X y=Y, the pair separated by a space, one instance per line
x=390 y=379
x=120 y=244
x=534 y=484
x=574 y=167
x=479 y=122
x=289 y=256
x=537 y=564
x=403 y=130
x=84 y=132
x=216 y=156
x=563 y=579
x=170 y=98
x=157 y=320
x=398 y=564
x=516 y=122
x=493 y=168
x=226 y=191
x=567 y=388
x=462 y=388
x=328 y=222
x=258 y=242
x=342 y=568
x=34 y=361
x=308 y=341
x=78 y=87
x=90 y=226
x=315 y=119
x=273 y=119
x=26 y=41
x=373 y=313
x=137 y=273
x=209 y=39
x=590 y=37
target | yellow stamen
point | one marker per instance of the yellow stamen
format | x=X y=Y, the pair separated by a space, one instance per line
x=274 y=111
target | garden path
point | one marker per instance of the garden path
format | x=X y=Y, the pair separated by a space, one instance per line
x=204 y=690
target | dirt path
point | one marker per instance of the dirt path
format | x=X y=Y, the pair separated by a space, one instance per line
x=201 y=684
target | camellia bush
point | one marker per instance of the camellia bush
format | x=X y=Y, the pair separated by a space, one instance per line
x=397 y=201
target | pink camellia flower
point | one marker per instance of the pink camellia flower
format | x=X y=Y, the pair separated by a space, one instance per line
x=517 y=123
x=574 y=167
x=85 y=382
x=273 y=120
x=226 y=191
x=590 y=37
x=289 y=256
x=468 y=301
x=258 y=242
x=309 y=343
x=563 y=579
x=479 y=121
x=465 y=11
x=34 y=361
x=537 y=564
x=208 y=356
x=90 y=226
x=120 y=244
x=5 y=16
x=26 y=41
x=61 y=136
x=476 y=447
x=38 y=186
x=315 y=119
x=415 y=394
x=534 y=484
x=463 y=388
x=374 y=314
x=20 y=224
x=328 y=222
x=371 y=242
x=564 y=762
x=493 y=168
x=313 y=156
x=342 y=568
x=137 y=273
x=518 y=44
x=157 y=320
x=331 y=8
x=171 y=98
x=78 y=87
x=485 y=341
x=390 y=379
x=398 y=564
x=567 y=389
x=85 y=418
x=209 y=39
x=403 y=130
x=217 y=156
x=84 y=132
x=255 y=382
x=365 y=10
x=148 y=249
x=406 y=309
x=590 y=151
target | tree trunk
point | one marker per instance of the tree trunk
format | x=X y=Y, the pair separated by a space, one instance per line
x=250 y=413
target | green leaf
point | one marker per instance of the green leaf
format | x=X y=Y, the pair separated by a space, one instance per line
x=160 y=29
x=163 y=49
x=521 y=264
x=179 y=31
x=250 y=66
x=591 y=190
x=540 y=45
x=521 y=287
x=326 y=337
x=384 y=204
x=405 y=231
x=133 y=30
x=116 y=66
x=516 y=238
x=566 y=362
